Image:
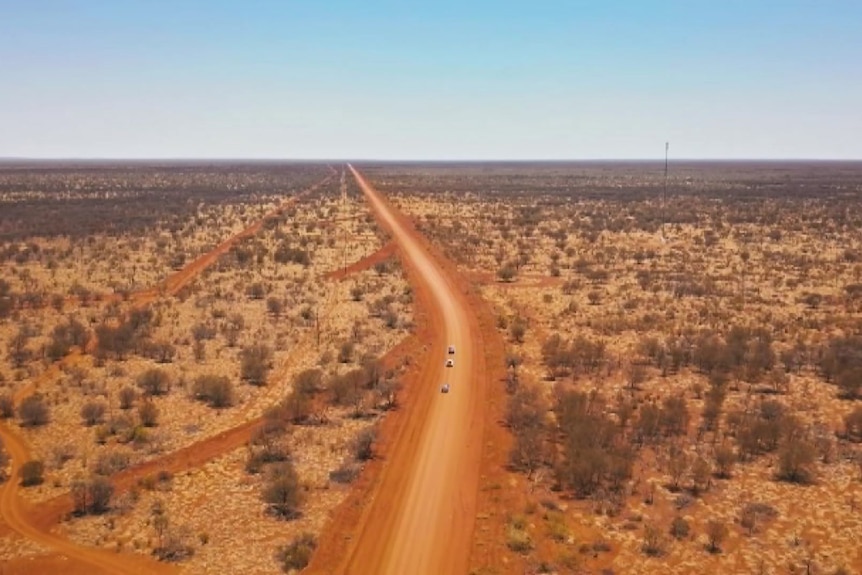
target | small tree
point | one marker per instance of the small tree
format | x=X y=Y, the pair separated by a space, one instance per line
x=725 y=458
x=33 y=411
x=345 y=353
x=654 y=543
x=507 y=272
x=7 y=406
x=149 y=413
x=701 y=471
x=282 y=490
x=32 y=473
x=154 y=382
x=215 y=390
x=93 y=412
x=796 y=459
x=679 y=528
x=4 y=461
x=80 y=497
x=295 y=555
x=852 y=424
x=100 y=491
x=716 y=533
x=127 y=397
x=274 y=306
x=363 y=444
x=518 y=329
x=255 y=363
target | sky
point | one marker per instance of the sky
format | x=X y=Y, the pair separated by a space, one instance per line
x=442 y=80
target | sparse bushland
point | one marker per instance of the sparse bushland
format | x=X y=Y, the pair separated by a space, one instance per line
x=715 y=329
x=121 y=286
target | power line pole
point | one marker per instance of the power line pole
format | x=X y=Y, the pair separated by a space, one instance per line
x=664 y=194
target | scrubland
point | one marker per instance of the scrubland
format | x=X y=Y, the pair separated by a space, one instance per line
x=684 y=363
x=238 y=311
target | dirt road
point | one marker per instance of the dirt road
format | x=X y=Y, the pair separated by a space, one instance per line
x=16 y=516
x=422 y=512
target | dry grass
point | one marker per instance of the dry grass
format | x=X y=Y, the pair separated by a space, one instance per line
x=220 y=504
x=600 y=256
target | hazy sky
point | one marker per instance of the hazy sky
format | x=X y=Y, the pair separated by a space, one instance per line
x=443 y=80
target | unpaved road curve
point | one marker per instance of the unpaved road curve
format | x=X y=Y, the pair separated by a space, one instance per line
x=16 y=516
x=421 y=516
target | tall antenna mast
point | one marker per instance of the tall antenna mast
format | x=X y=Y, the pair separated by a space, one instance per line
x=666 y=147
x=664 y=195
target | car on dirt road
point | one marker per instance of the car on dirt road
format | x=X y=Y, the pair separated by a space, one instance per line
x=451 y=350
x=445 y=388
x=450 y=363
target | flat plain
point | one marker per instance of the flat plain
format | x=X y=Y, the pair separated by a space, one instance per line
x=683 y=359
x=193 y=358
x=199 y=358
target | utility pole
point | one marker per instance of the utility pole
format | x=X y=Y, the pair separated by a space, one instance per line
x=664 y=194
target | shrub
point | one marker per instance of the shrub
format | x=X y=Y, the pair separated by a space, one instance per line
x=110 y=462
x=654 y=541
x=346 y=473
x=679 y=528
x=256 y=291
x=296 y=554
x=796 y=458
x=100 y=490
x=507 y=272
x=518 y=540
x=363 y=444
x=308 y=382
x=852 y=424
x=93 y=412
x=7 y=406
x=33 y=411
x=255 y=364
x=149 y=413
x=716 y=533
x=282 y=490
x=274 y=306
x=154 y=382
x=345 y=353
x=215 y=390
x=32 y=473
x=4 y=461
x=92 y=496
x=127 y=397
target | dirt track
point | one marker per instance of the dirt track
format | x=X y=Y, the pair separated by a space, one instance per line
x=421 y=515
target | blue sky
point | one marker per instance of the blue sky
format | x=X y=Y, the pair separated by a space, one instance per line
x=440 y=80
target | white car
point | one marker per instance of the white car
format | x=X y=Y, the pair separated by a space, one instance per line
x=451 y=350
x=445 y=388
x=450 y=363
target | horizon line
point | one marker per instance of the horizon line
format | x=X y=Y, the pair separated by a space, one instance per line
x=409 y=160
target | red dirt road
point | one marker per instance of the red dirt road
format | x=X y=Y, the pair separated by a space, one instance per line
x=421 y=515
